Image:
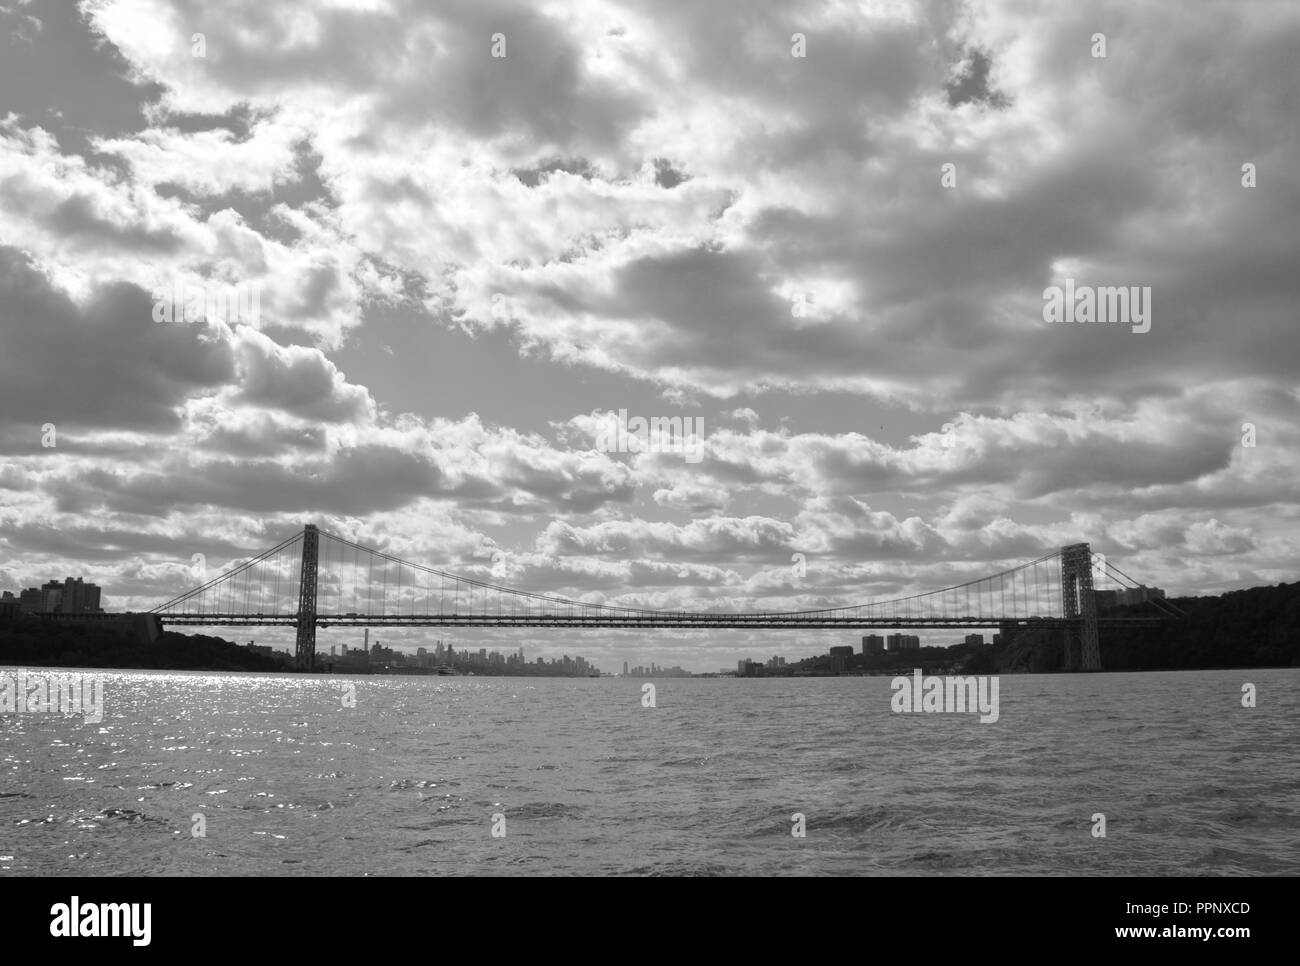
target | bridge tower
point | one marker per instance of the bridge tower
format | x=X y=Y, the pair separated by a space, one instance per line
x=1082 y=651
x=306 y=650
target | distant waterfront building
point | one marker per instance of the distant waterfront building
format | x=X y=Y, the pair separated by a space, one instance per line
x=72 y=596
x=840 y=657
x=902 y=642
x=79 y=597
x=873 y=644
x=625 y=669
x=976 y=639
x=51 y=596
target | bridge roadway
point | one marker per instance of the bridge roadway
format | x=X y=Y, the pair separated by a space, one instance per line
x=683 y=621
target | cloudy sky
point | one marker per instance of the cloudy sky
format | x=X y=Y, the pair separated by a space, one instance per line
x=477 y=228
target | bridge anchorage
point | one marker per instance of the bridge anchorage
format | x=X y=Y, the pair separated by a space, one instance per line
x=319 y=579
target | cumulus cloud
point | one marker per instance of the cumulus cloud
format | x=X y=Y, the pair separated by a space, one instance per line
x=104 y=364
x=297 y=380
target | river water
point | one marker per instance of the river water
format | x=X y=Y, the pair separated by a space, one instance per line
x=289 y=779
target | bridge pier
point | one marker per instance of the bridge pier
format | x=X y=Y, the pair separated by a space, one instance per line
x=1082 y=649
x=305 y=652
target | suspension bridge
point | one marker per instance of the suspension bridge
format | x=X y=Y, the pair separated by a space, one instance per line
x=319 y=579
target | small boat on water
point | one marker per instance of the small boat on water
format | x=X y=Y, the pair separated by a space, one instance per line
x=446 y=669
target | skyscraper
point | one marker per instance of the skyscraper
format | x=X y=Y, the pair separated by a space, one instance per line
x=29 y=601
x=51 y=596
x=79 y=597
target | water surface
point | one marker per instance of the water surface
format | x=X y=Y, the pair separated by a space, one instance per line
x=289 y=781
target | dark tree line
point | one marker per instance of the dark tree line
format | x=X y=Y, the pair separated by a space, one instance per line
x=1259 y=627
x=43 y=643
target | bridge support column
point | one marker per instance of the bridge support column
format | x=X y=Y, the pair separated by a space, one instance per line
x=305 y=654
x=1082 y=649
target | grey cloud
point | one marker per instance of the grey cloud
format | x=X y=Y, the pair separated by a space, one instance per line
x=356 y=481
x=298 y=380
x=76 y=216
x=107 y=365
x=539 y=86
x=265 y=438
x=535 y=175
x=971 y=85
x=67 y=79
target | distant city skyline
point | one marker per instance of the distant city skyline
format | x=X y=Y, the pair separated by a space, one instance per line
x=72 y=595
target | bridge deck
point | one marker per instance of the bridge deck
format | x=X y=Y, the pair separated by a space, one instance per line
x=681 y=621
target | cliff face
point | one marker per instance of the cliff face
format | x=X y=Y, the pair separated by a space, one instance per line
x=1032 y=652
x=1259 y=627
x=41 y=643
